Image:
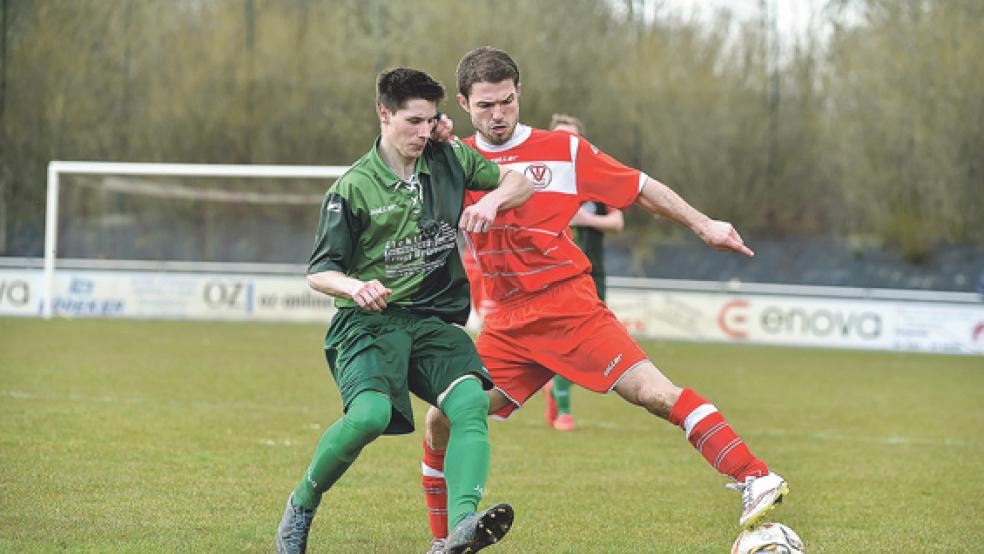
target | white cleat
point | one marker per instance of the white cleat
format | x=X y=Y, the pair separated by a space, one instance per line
x=759 y=496
x=437 y=547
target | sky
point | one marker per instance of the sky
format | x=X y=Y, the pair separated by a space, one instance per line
x=793 y=17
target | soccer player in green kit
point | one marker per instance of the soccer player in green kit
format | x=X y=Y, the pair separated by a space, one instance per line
x=590 y=224
x=386 y=250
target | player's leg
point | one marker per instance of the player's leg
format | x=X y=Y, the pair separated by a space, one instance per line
x=437 y=432
x=368 y=355
x=560 y=392
x=507 y=370
x=447 y=372
x=603 y=356
x=367 y=417
x=710 y=434
x=468 y=453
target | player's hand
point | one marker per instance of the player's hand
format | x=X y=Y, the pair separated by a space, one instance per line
x=443 y=128
x=721 y=235
x=370 y=295
x=478 y=217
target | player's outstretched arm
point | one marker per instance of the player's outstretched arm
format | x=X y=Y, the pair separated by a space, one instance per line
x=514 y=190
x=369 y=295
x=662 y=200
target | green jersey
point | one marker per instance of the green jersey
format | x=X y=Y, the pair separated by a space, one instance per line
x=403 y=233
x=592 y=241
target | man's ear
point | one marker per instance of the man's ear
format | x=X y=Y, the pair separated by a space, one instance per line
x=463 y=102
x=384 y=115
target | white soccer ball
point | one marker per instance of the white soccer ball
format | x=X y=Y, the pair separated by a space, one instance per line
x=768 y=537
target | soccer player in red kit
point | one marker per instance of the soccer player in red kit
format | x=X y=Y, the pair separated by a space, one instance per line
x=549 y=318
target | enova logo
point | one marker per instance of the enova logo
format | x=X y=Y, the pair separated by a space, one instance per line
x=735 y=319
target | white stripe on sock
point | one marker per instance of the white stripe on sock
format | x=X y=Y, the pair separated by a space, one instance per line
x=430 y=472
x=695 y=417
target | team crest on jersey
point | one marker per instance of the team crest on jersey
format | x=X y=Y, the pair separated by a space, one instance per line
x=540 y=174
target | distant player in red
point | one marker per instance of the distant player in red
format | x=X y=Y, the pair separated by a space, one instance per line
x=549 y=319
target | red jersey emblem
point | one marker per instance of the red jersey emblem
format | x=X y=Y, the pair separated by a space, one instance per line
x=540 y=174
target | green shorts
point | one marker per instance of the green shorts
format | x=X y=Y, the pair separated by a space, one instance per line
x=397 y=352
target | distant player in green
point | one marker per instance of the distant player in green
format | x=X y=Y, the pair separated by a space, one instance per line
x=590 y=224
x=386 y=250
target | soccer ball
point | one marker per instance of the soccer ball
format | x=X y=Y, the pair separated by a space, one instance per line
x=769 y=537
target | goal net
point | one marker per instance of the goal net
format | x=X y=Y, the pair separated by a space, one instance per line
x=177 y=219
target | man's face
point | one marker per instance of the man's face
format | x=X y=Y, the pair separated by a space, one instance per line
x=408 y=128
x=494 y=109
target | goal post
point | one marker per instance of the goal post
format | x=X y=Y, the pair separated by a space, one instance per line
x=58 y=168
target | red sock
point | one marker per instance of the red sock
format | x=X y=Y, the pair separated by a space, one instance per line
x=435 y=491
x=711 y=435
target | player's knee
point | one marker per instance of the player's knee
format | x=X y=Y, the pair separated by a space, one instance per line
x=659 y=400
x=437 y=429
x=467 y=400
x=497 y=401
x=369 y=415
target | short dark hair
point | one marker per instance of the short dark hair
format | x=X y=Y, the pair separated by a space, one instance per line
x=485 y=65
x=394 y=87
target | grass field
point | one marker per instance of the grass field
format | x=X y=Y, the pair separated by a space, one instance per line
x=127 y=436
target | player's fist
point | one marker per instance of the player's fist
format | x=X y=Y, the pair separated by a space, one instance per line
x=370 y=295
x=721 y=235
x=443 y=128
x=478 y=217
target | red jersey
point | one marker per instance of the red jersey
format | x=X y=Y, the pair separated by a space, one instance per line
x=530 y=247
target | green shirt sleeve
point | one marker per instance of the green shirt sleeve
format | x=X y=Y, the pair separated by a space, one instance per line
x=338 y=230
x=480 y=173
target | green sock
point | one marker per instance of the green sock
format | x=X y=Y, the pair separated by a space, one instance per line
x=367 y=417
x=562 y=394
x=466 y=464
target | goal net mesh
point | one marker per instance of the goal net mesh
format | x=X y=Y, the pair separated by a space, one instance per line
x=172 y=218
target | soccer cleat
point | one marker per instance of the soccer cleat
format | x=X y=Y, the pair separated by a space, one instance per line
x=551 y=412
x=292 y=535
x=437 y=547
x=759 y=496
x=564 y=422
x=476 y=531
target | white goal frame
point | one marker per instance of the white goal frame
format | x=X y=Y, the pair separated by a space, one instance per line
x=58 y=168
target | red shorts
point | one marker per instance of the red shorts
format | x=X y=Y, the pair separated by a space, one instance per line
x=565 y=330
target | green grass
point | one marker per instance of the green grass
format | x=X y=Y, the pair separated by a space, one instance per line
x=131 y=436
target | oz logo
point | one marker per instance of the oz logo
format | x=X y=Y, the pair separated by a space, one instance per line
x=540 y=174
x=226 y=294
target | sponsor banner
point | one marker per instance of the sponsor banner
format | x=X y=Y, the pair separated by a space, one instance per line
x=802 y=321
x=137 y=294
x=815 y=321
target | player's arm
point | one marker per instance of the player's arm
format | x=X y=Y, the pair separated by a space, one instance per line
x=611 y=222
x=369 y=295
x=662 y=200
x=508 y=189
x=514 y=190
x=334 y=243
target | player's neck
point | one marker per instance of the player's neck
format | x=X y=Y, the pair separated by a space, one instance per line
x=400 y=165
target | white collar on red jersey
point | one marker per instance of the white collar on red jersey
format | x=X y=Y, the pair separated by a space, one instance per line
x=520 y=134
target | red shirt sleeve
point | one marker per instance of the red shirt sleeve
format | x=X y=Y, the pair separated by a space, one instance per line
x=602 y=178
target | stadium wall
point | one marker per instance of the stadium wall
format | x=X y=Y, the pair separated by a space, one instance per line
x=827 y=317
